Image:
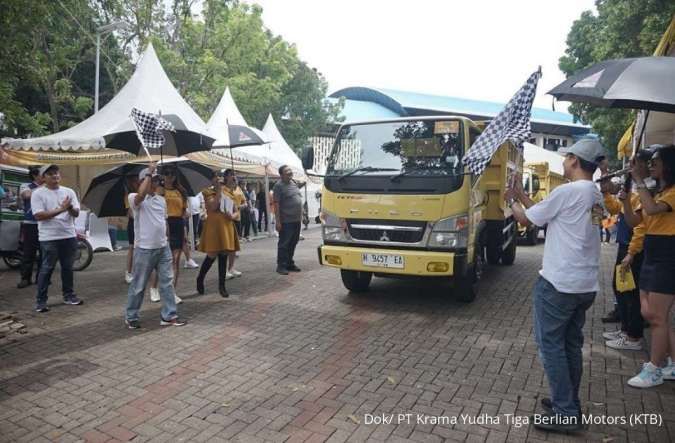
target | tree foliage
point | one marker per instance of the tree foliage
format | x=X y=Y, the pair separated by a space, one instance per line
x=621 y=28
x=226 y=45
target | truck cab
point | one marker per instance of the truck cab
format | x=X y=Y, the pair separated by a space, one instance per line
x=398 y=202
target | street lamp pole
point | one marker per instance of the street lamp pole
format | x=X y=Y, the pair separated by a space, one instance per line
x=103 y=30
x=98 y=56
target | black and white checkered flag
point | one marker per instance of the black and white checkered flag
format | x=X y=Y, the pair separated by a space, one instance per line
x=149 y=128
x=512 y=124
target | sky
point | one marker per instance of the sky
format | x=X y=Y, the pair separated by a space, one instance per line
x=482 y=50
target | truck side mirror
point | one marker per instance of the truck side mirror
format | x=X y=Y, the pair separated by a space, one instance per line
x=535 y=184
x=308 y=158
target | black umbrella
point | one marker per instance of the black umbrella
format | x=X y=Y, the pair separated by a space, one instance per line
x=237 y=136
x=105 y=196
x=182 y=141
x=635 y=83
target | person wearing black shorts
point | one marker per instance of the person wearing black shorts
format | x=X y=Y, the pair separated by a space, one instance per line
x=131 y=187
x=657 y=276
x=176 y=207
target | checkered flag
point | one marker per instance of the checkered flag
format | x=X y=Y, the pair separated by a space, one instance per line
x=149 y=128
x=512 y=124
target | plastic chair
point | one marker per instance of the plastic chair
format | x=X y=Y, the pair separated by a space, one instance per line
x=81 y=222
x=98 y=235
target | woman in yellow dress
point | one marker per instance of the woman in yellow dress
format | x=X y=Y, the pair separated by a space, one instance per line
x=219 y=236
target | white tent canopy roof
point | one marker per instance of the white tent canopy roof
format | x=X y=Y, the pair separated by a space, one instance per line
x=280 y=153
x=149 y=89
x=226 y=113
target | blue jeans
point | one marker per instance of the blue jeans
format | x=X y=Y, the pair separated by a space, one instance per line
x=64 y=251
x=145 y=261
x=558 y=322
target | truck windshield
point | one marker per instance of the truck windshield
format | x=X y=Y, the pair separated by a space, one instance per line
x=404 y=148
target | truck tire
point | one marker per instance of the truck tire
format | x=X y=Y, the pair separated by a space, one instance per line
x=533 y=236
x=466 y=287
x=356 y=281
x=509 y=254
x=493 y=247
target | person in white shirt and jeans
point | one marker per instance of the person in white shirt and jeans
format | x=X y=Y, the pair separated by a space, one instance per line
x=151 y=251
x=568 y=280
x=55 y=208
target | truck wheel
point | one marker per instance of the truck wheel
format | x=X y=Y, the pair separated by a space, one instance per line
x=533 y=236
x=493 y=249
x=509 y=254
x=356 y=281
x=466 y=286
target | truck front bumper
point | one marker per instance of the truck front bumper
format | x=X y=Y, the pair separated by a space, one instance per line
x=416 y=262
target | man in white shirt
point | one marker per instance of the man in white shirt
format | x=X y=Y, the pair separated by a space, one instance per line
x=151 y=251
x=55 y=208
x=568 y=279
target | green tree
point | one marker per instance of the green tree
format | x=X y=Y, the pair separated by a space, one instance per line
x=621 y=28
x=47 y=74
x=303 y=110
x=47 y=78
x=228 y=46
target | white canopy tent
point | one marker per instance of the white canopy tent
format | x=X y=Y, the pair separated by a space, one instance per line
x=226 y=113
x=149 y=89
x=280 y=153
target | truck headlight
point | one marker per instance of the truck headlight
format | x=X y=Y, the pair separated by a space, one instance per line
x=451 y=232
x=333 y=228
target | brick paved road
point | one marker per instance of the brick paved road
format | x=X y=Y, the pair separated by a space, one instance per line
x=297 y=359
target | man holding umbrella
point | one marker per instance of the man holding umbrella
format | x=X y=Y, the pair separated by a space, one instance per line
x=151 y=251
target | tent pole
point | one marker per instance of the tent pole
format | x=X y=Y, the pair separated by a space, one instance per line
x=267 y=203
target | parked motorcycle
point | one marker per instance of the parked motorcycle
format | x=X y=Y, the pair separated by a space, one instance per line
x=83 y=256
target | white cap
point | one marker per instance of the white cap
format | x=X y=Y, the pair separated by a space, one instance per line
x=588 y=149
x=47 y=167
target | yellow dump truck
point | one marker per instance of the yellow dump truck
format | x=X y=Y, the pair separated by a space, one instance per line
x=538 y=182
x=398 y=202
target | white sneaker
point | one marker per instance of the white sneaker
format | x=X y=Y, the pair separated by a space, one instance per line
x=154 y=295
x=624 y=344
x=669 y=370
x=614 y=335
x=190 y=264
x=178 y=300
x=228 y=276
x=128 y=277
x=650 y=376
x=235 y=273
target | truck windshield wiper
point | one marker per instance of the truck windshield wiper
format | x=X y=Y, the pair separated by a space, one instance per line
x=365 y=169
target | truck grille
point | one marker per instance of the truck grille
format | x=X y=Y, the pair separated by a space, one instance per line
x=386 y=230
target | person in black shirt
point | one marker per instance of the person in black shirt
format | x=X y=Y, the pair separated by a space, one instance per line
x=261 y=201
x=29 y=227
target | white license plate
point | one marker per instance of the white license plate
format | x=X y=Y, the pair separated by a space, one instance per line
x=383 y=260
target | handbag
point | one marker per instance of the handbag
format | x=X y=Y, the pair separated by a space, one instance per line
x=624 y=279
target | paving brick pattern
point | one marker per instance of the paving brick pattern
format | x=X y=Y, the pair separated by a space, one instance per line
x=295 y=358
